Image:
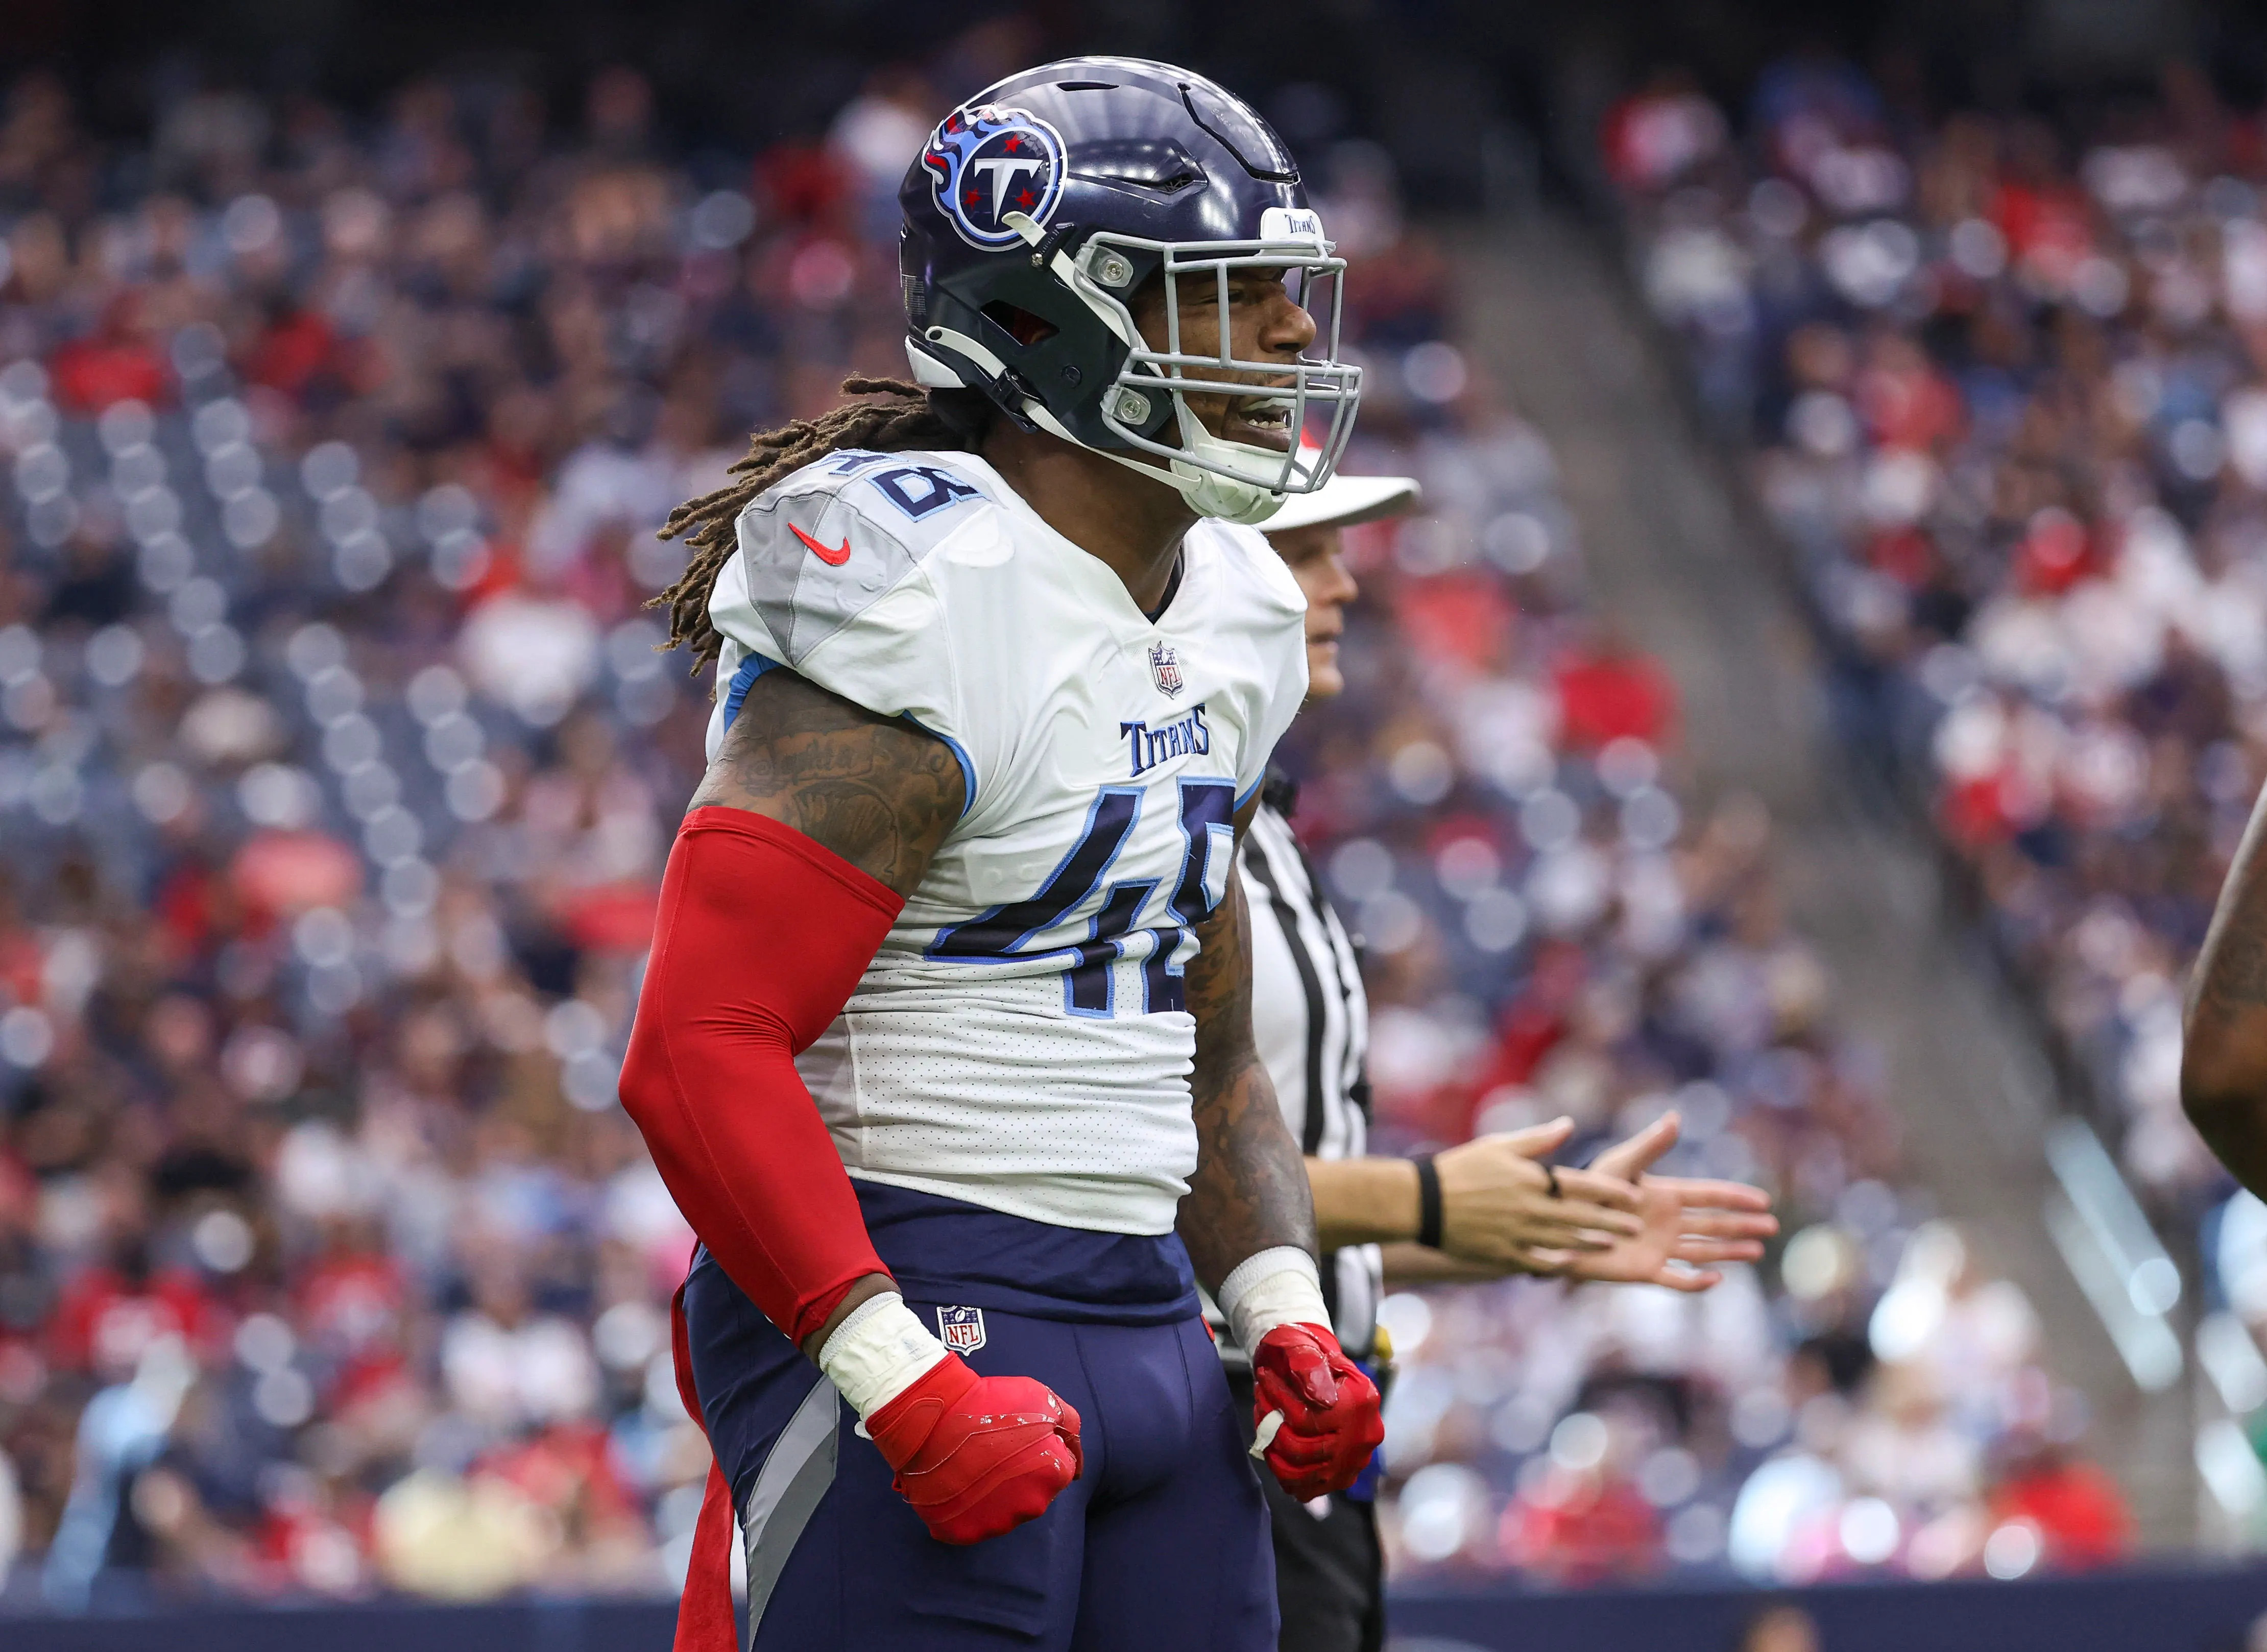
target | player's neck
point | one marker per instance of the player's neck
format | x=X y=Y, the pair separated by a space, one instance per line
x=1131 y=523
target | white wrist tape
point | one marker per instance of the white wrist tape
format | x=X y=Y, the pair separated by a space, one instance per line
x=1276 y=1286
x=880 y=1351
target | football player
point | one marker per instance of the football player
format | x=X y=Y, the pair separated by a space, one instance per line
x=1480 y=1210
x=944 y=1046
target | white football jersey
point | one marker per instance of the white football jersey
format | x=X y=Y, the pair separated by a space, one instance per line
x=1020 y=1041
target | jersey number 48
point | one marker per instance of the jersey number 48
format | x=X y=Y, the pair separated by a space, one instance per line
x=1207 y=809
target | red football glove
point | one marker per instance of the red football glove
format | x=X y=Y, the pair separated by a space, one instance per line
x=978 y=1456
x=1330 y=1422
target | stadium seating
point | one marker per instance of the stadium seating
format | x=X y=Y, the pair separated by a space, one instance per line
x=337 y=772
x=2002 y=392
x=2001 y=376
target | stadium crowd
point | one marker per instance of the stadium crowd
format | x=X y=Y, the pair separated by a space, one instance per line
x=2007 y=382
x=339 y=767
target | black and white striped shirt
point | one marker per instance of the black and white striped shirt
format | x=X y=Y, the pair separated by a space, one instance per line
x=1311 y=1024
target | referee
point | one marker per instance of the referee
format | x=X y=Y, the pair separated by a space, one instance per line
x=1479 y=1210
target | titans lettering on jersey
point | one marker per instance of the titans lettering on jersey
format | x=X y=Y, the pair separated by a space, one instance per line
x=1021 y=1040
x=1184 y=735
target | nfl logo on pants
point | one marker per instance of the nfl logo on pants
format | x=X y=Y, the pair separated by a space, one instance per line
x=961 y=1329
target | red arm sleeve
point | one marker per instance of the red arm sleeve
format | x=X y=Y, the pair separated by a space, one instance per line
x=761 y=937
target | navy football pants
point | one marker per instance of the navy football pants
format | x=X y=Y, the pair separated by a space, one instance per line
x=1162 y=1543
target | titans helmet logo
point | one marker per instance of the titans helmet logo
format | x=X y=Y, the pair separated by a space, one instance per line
x=986 y=162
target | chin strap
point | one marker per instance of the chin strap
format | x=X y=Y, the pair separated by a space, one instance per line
x=1209 y=493
x=1223 y=498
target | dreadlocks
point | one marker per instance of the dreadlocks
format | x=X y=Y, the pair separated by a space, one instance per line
x=902 y=416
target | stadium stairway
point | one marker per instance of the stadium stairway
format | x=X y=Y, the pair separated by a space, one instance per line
x=1674 y=552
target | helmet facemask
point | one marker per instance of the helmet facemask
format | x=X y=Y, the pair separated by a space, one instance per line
x=1237 y=482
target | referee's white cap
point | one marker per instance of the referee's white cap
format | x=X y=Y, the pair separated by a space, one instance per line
x=1345 y=500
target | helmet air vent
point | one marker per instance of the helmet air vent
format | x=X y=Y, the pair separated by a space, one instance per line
x=1242 y=133
x=1157 y=162
x=1019 y=323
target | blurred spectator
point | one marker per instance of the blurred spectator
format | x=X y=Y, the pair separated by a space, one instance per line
x=2002 y=374
x=1780 y=1629
x=337 y=463
x=1999 y=373
x=2079 y=1513
x=1608 y=692
x=1583 y=1520
x=112 y=364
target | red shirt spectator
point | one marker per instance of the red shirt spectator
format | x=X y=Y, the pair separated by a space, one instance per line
x=2046 y=226
x=190 y=906
x=1907 y=402
x=107 y=1317
x=115 y=364
x=2056 y=554
x=352 y=1307
x=2080 y=1514
x=1653 y=136
x=21 y=962
x=1465 y=618
x=1583 y=1529
x=803 y=182
x=1534 y=1022
x=1608 y=692
x=291 y=351
x=568 y=1469
x=281 y=874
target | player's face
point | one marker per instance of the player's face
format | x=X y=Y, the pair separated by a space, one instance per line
x=1315 y=557
x=1263 y=323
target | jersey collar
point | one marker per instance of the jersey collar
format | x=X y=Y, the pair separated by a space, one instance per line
x=1089 y=573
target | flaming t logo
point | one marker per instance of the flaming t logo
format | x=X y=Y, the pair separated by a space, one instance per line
x=987 y=162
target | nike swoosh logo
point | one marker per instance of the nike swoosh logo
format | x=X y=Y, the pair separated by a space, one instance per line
x=833 y=555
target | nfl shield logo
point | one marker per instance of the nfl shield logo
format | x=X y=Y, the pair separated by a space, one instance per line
x=1165 y=670
x=961 y=1329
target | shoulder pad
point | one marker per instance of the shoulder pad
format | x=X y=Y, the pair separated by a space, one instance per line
x=1257 y=567
x=825 y=544
x=916 y=496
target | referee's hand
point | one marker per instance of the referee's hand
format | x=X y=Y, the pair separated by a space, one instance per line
x=1500 y=1207
x=1691 y=1224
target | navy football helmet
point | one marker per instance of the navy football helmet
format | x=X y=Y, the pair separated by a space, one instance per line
x=1044 y=203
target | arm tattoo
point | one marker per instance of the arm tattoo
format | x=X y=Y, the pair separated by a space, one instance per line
x=877 y=791
x=1250 y=1191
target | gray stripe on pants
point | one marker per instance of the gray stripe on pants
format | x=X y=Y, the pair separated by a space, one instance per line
x=795 y=1474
